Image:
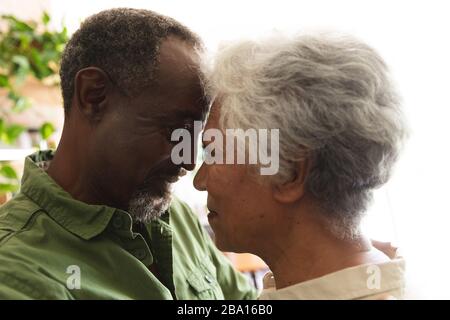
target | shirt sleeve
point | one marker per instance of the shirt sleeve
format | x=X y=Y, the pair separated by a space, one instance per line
x=13 y=290
x=23 y=285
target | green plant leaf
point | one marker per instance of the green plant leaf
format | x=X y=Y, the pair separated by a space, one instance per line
x=4 y=81
x=8 y=187
x=45 y=18
x=39 y=64
x=23 y=68
x=25 y=40
x=46 y=130
x=21 y=61
x=17 y=24
x=11 y=134
x=21 y=104
x=12 y=95
x=2 y=127
x=8 y=172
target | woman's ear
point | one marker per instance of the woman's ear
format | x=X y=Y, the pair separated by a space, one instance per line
x=294 y=189
x=91 y=87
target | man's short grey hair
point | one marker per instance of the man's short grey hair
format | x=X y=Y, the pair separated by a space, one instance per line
x=333 y=101
x=124 y=43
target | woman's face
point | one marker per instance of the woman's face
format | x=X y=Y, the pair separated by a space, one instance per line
x=241 y=209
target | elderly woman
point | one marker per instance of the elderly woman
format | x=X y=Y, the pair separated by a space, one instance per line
x=340 y=129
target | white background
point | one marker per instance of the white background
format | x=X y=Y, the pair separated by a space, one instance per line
x=413 y=37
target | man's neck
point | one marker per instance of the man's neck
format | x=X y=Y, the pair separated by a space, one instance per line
x=68 y=170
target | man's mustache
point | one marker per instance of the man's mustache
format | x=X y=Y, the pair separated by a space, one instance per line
x=163 y=171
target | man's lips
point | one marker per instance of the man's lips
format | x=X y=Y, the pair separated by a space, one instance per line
x=177 y=176
x=165 y=171
x=161 y=182
x=212 y=214
x=172 y=178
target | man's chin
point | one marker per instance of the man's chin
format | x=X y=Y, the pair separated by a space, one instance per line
x=146 y=206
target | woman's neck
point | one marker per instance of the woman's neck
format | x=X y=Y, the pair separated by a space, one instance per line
x=307 y=250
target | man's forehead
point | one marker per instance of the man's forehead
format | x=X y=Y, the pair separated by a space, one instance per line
x=178 y=62
x=178 y=82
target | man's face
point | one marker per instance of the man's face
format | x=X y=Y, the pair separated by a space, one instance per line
x=132 y=144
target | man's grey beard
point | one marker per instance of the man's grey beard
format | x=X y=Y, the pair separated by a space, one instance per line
x=145 y=206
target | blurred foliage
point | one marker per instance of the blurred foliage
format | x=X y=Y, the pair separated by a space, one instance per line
x=10 y=181
x=27 y=49
x=46 y=130
x=10 y=133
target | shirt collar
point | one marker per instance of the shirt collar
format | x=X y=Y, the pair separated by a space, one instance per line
x=349 y=283
x=81 y=219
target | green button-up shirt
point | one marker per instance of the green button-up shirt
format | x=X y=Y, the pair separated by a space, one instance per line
x=55 y=247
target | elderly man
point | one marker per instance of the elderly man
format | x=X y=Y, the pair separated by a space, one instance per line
x=94 y=220
x=340 y=128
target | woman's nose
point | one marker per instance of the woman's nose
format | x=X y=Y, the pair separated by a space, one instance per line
x=200 y=178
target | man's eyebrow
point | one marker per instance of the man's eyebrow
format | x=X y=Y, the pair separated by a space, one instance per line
x=189 y=114
x=179 y=114
x=198 y=114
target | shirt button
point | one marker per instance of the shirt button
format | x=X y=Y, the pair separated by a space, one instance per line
x=117 y=222
x=140 y=254
x=208 y=279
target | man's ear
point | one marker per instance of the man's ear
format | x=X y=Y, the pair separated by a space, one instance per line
x=294 y=189
x=91 y=87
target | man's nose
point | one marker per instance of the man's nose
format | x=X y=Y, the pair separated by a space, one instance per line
x=188 y=166
x=200 y=178
x=193 y=158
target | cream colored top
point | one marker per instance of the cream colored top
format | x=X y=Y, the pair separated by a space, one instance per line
x=365 y=282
